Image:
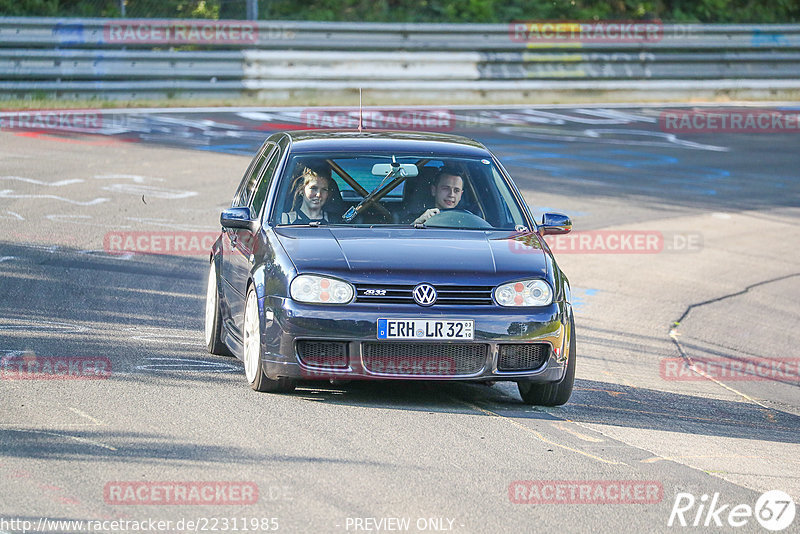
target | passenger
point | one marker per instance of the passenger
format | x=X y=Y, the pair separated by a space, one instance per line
x=311 y=191
x=446 y=191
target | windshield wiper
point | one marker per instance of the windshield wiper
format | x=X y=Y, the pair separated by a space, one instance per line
x=353 y=212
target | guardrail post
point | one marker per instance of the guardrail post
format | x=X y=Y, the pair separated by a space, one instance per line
x=252 y=9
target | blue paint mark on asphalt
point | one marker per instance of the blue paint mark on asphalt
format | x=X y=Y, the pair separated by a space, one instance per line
x=237 y=149
x=689 y=178
x=581 y=296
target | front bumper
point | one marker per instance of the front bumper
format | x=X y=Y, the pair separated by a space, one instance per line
x=286 y=322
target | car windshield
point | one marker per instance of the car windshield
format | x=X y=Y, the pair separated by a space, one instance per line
x=422 y=191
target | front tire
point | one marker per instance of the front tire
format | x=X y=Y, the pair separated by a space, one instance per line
x=552 y=393
x=213 y=321
x=253 y=369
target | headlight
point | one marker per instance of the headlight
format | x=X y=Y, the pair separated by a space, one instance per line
x=320 y=290
x=524 y=293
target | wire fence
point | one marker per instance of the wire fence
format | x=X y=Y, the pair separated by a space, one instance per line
x=194 y=9
x=416 y=11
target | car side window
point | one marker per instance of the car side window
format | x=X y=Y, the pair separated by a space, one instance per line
x=266 y=173
x=245 y=193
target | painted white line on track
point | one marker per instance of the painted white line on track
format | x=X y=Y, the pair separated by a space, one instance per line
x=16 y=215
x=538 y=435
x=187 y=365
x=155 y=192
x=584 y=437
x=87 y=416
x=75 y=438
x=9 y=193
x=59 y=183
x=673 y=334
x=44 y=326
x=135 y=177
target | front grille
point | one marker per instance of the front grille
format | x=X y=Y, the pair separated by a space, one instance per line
x=323 y=353
x=446 y=294
x=522 y=356
x=424 y=359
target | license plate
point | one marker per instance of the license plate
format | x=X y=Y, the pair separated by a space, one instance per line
x=425 y=329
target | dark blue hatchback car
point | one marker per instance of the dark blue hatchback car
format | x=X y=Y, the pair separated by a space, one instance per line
x=389 y=256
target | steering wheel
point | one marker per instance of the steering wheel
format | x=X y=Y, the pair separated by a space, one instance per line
x=457 y=218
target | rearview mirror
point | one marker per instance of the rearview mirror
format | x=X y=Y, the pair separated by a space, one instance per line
x=237 y=218
x=555 y=223
x=382 y=169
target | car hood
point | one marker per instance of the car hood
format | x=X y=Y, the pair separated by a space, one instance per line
x=408 y=256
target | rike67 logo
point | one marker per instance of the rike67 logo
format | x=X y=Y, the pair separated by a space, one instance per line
x=774 y=510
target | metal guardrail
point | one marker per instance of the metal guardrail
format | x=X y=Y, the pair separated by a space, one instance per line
x=118 y=58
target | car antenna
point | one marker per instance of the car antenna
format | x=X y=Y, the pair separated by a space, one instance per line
x=360 y=111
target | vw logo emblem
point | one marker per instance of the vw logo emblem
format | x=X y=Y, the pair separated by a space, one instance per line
x=424 y=295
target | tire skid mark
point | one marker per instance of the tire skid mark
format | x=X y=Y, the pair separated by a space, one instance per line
x=622 y=379
x=76 y=219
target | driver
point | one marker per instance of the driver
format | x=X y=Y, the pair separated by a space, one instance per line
x=311 y=190
x=446 y=191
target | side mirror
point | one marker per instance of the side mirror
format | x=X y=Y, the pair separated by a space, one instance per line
x=555 y=223
x=237 y=218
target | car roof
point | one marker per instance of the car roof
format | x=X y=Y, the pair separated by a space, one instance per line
x=422 y=143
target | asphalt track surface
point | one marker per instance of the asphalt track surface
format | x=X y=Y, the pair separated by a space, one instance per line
x=341 y=458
